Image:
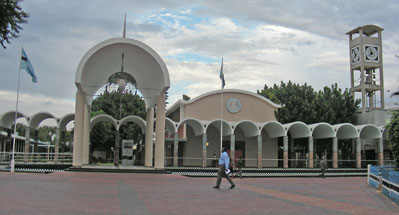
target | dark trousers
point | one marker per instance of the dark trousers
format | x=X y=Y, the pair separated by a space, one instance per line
x=323 y=171
x=239 y=172
x=222 y=173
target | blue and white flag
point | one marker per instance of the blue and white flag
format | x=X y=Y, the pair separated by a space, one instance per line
x=221 y=76
x=27 y=66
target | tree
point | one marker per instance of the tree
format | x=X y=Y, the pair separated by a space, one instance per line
x=298 y=102
x=118 y=105
x=393 y=137
x=302 y=103
x=11 y=16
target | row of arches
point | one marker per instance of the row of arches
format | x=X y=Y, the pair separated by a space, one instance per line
x=32 y=124
x=272 y=130
x=249 y=129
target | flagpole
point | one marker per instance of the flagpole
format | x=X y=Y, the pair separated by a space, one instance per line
x=221 y=121
x=15 y=119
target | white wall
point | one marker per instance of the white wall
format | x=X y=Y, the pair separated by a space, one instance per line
x=192 y=149
x=269 y=151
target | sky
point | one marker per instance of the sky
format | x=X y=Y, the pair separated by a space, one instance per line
x=261 y=42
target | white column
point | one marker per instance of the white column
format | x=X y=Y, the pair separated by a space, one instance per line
x=292 y=150
x=78 y=131
x=86 y=136
x=176 y=149
x=233 y=148
x=160 y=133
x=204 y=140
x=27 y=142
x=285 y=149
x=57 y=144
x=259 y=138
x=335 y=152
x=358 y=153
x=149 y=144
x=380 y=151
x=310 y=152
x=117 y=148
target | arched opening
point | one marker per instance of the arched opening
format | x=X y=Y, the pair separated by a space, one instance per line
x=190 y=151
x=298 y=144
x=346 y=134
x=102 y=139
x=122 y=62
x=7 y=135
x=273 y=131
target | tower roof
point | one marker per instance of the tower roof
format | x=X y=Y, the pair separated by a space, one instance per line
x=368 y=30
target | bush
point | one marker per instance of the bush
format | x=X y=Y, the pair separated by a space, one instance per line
x=393 y=137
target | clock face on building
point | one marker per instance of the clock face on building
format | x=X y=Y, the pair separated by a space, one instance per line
x=233 y=105
x=355 y=54
x=371 y=53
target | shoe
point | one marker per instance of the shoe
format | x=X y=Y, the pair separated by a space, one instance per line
x=232 y=186
x=216 y=187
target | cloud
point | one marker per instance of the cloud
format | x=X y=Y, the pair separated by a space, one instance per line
x=328 y=60
x=261 y=43
x=31 y=104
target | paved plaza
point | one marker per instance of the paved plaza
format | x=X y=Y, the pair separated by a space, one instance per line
x=67 y=193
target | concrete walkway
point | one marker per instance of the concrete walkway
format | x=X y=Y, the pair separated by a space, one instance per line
x=65 y=193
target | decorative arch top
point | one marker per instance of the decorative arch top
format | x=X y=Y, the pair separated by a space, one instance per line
x=140 y=61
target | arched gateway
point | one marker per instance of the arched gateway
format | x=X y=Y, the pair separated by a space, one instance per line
x=141 y=66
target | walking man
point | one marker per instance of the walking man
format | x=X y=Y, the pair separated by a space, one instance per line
x=224 y=169
x=240 y=164
x=323 y=166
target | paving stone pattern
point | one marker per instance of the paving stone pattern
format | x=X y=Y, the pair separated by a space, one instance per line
x=67 y=193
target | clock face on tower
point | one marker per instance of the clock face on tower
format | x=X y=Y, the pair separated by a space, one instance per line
x=233 y=105
x=355 y=54
x=371 y=53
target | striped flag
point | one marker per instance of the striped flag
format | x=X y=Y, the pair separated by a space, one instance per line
x=221 y=75
x=27 y=66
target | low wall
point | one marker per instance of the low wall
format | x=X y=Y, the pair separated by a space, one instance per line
x=386 y=179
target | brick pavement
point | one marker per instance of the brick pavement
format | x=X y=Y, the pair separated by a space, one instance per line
x=66 y=193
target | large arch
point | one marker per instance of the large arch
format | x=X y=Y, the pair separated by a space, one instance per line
x=37 y=118
x=7 y=118
x=135 y=62
x=249 y=128
x=345 y=131
x=297 y=129
x=136 y=119
x=274 y=129
x=103 y=117
x=322 y=130
x=170 y=125
x=65 y=120
x=369 y=131
x=140 y=61
x=195 y=124
x=227 y=130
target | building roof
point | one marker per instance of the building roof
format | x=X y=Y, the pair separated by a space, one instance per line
x=177 y=104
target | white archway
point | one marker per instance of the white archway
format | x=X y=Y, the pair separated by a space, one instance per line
x=146 y=71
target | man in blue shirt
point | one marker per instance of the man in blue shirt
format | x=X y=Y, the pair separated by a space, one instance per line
x=224 y=169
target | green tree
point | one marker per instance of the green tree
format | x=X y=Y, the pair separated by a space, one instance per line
x=393 y=137
x=45 y=133
x=11 y=16
x=302 y=103
x=118 y=105
x=298 y=102
x=334 y=106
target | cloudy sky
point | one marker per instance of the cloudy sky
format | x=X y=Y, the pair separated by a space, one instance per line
x=262 y=42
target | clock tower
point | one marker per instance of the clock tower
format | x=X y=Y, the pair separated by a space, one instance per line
x=366 y=70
